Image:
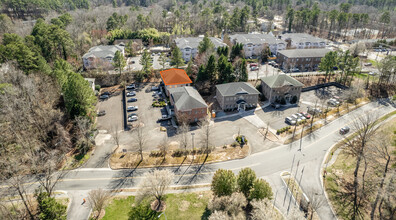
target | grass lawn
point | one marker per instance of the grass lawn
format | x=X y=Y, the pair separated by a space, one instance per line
x=119 y=208
x=183 y=206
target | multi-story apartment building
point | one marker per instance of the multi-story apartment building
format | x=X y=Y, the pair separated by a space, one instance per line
x=302 y=41
x=189 y=45
x=101 y=56
x=254 y=43
x=303 y=59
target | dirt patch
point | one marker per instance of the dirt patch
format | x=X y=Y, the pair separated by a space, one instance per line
x=120 y=160
x=183 y=206
x=268 y=135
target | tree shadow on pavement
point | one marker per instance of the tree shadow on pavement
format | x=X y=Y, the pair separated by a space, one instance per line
x=123 y=178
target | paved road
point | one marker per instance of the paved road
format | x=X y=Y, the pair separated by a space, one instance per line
x=268 y=164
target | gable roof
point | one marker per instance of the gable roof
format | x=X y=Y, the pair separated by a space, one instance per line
x=302 y=38
x=187 y=98
x=297 y=53
x=174 y=77
x=281 y=80
x=193 y=42
x=235 y=88
x=103 y=51
x=256 y=39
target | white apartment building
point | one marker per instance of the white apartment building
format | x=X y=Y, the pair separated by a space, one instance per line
x=189 y=45
x=302 y=41
x=101 y=56
x=254 y=43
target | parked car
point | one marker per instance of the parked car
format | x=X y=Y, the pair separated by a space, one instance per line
x=133 y=114
x=101 y=113
x=295 y=69
x=153 y=54
x=252 y=65
x=131 y=94
x=254 y=68
x=104 y=97
x=133 y=118
x=132 y=108
x=333 y=102
x=301 y=116
x=158 y=93
x=290 y=121
x=106 y=93
x=154 y=88
x=368 y=64
x=131 y=86
x=344 y=130
x=132 y=100
x=314 y=111
x=306 y=115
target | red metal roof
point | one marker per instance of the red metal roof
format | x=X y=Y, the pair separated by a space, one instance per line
x=175 y=77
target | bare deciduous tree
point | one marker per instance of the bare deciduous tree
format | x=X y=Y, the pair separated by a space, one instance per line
x=116 y=136
x=97 y=200
x=155 y=184
x=232 y=205
x=316 y=201
x=206 y=133
x=365 y=127
x=140 y=138
x=382 y=149
x=262 y=209
x=84 y=129
x=183 y=135
x=219 y=215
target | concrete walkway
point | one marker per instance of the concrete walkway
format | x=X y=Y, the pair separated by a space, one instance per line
x=77 y=209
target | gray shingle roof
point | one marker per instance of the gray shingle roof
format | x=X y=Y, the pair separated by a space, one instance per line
x=103 y=51
x=297 y=53
x=302 y=38
x=234 y=88
x=280 y=80
x=193 y=42
x=187 y=98
x=256 y=38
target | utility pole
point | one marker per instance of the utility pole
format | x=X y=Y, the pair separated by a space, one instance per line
x=291 y=194
x=302 y=132
x=192 y=137
x=284 y=199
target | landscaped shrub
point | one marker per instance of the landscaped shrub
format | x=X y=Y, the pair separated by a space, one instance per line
x=159 y=104
x=239 y=139
x=156 y=153
x=97 y=87
x=280 y=131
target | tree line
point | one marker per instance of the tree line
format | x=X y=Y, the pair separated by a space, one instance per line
x=47 y=111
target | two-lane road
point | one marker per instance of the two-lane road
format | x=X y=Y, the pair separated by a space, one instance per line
x=267 y=164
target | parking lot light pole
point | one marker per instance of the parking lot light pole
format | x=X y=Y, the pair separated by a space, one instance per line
x=276 y=193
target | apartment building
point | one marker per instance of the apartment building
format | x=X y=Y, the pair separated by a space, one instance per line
x=254 y=43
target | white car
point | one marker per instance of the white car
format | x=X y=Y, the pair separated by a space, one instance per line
x=290 y=121
x=301 y=116
x=133 y=118
x=131 y=94
x=132 y=108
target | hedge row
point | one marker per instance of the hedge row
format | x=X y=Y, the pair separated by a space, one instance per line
x=280 y=131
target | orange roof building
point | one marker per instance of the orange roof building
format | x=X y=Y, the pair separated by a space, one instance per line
x=175 y=77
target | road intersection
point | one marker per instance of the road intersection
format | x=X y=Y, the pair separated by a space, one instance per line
x=267 y=164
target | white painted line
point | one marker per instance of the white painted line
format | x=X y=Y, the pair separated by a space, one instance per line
x=91 y=169
x=252 y=165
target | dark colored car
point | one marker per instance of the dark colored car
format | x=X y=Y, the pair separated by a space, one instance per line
x=106 y=93
x=104 y=97
x=132 y=100
x=344 y=130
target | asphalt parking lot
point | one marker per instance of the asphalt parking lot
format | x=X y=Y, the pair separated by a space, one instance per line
x=276 y=117
x=114 y=113
x=134 y=63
